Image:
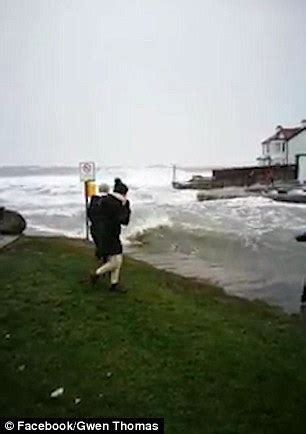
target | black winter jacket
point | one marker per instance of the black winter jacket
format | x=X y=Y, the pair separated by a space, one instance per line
x=107 y=214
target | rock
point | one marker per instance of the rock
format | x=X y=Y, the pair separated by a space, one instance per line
x=77 y=401
x=57 y=392
x=301 y=237
x=21 y=368
x=109 y=375
x=7 y=336
x=11 y=222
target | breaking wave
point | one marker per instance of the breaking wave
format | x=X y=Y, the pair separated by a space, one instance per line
x=247 y=245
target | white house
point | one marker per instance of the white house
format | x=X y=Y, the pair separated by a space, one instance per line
x=286 y=146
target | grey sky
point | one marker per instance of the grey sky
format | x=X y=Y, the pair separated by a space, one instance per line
x=148 y=81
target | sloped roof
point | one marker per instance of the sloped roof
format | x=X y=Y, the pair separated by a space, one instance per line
x=284 y=133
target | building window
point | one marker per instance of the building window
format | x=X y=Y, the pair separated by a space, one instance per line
x=268 y=149
x=284 y=147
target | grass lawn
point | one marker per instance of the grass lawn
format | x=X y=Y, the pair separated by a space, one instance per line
x=170 y=347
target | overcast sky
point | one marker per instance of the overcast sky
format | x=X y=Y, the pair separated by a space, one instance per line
x=197 y=82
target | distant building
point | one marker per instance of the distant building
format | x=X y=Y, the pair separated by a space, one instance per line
x=285 y=147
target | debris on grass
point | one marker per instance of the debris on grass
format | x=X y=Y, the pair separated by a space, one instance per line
x=57 y=392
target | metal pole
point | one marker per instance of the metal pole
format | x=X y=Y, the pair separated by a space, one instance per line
x=1 y=219
x=174 y=173
x=86 y=209
x=303 y=298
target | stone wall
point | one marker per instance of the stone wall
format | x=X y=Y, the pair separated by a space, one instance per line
x=244 y=176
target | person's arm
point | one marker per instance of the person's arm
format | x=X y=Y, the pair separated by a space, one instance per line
x=125 y=214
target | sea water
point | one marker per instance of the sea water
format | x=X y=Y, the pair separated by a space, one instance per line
x=245 y=245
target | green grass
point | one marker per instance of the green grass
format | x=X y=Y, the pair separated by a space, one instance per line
x=176 y=348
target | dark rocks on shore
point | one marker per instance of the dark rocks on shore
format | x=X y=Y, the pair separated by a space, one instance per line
x=11 y=222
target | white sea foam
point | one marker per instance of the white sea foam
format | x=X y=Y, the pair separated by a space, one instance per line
x=47 y=230
x=251 y=238
x=148 y=224
x=154 y=204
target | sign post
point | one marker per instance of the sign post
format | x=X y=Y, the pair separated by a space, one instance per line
x=87 y=172
x=173 y=173
x=86 y=210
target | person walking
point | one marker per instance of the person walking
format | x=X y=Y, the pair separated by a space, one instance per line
x=114 y=211
x=95 y=217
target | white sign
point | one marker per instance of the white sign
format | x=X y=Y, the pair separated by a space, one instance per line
x=87 y=171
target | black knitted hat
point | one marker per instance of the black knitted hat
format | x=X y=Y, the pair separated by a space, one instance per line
x=120 y=187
